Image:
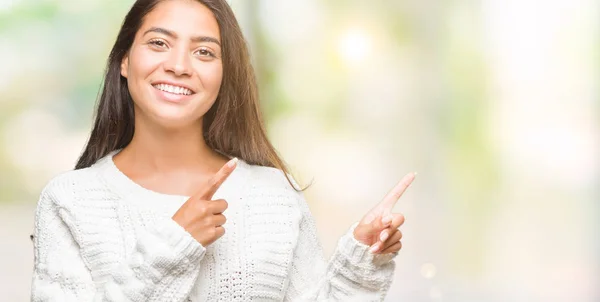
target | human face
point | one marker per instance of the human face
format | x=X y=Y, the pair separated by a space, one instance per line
x=174 y=67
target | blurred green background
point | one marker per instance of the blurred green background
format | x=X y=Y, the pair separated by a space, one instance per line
x=495 y=103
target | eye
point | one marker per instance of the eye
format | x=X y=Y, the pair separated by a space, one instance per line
x=158 y=43
x=205 y=52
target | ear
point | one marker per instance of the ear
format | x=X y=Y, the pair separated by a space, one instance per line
x=125 y=65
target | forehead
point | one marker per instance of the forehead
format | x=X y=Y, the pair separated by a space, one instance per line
x=184 y=17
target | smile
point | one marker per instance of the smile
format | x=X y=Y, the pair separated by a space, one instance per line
x=173 y=89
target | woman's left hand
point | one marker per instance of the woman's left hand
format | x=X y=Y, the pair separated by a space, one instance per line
x=379 y=228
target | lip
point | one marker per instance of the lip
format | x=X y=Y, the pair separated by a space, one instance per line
x=171 y=97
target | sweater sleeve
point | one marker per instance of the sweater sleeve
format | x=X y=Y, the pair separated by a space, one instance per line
x=353 y=273
x=163 y=266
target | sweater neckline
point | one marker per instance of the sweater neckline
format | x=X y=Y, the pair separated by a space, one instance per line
x=126 y=186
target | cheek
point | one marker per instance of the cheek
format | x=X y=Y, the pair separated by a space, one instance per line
x=142 y=64
x=211 y=77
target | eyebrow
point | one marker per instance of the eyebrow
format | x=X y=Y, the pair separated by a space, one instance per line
x=173 y=35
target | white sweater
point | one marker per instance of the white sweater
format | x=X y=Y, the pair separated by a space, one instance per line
x=99 y=236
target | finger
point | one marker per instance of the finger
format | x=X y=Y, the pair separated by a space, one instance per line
x=219 y=220
x=375 y=247
x=397 y=220
x=384 y=235
x=393 y=238
x=393 y=220
x=216 y=181
x=393 y=248
x=388 y=234
x=218 y=206
x=392 y=197
x=378 y=225
x=219 y=231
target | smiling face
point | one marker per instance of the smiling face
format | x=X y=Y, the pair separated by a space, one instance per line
x=174 y=68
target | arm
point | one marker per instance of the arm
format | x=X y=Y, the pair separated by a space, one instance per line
x=163 y=265
x=352 y=273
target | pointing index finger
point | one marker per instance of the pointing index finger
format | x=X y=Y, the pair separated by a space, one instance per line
x=392 y=197
x=216 y=181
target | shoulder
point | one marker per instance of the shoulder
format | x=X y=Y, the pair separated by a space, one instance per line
x=58 y=198
x=66 y=188
x=63 y=183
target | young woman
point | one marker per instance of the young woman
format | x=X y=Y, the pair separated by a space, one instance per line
x=177 y=157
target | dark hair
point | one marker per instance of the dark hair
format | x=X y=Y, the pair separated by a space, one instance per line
x=232 y=126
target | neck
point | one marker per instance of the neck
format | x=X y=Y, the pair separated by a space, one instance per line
x=154 y=148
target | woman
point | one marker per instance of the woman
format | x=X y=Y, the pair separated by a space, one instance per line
x=177 y=156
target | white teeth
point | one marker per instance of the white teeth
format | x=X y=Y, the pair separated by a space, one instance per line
x=173 y=89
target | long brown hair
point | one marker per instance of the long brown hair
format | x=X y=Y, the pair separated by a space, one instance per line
x=232 y=126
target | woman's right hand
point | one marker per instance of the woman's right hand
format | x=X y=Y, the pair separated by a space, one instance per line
x=203 y=217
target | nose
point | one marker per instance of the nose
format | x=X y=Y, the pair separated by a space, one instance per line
x=178 y=62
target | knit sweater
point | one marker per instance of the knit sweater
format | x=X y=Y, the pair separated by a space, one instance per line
x=99 y=236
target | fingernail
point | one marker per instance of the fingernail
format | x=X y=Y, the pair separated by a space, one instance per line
x=387 y=219
x=375 y=247
x=232 y=162
x=415 y=173
x=384 y=235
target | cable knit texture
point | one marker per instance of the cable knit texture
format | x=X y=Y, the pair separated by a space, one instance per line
x=99 y=236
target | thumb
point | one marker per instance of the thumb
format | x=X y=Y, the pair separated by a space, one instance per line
x=368 y=233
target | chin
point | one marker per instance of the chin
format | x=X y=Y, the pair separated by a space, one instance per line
x=176 y=121
x=167 y=118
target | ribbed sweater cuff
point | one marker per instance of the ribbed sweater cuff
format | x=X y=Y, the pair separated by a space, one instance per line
x=357 y=253
x=182 y=242
x=185 y=251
